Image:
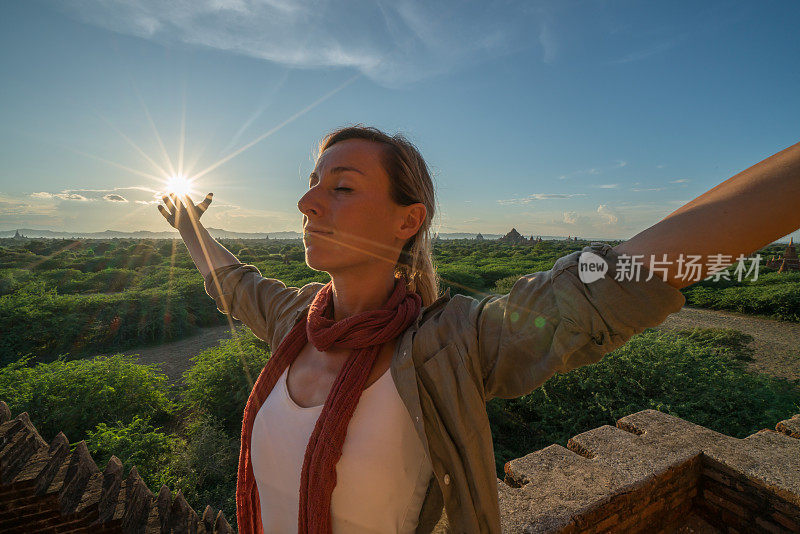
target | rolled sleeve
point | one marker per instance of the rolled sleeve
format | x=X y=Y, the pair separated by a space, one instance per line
x=260 y=303
x=552 y=322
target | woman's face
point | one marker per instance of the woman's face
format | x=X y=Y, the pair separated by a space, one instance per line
x=348 y=204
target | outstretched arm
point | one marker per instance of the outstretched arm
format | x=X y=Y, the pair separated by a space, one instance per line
x=183 y=215
x=739 y=216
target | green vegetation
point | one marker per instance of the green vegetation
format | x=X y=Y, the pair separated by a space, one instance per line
x=698 y=375
x=64 y=300
x=774 y=295
x=76 y=396
x=81 y=297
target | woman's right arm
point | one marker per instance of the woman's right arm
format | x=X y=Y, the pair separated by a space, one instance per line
x=206 y=252
x=263 y=304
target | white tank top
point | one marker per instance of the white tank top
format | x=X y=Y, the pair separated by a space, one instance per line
x=382 y=475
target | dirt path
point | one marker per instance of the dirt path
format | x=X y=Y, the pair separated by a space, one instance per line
x=776 y=343
x=174 y=357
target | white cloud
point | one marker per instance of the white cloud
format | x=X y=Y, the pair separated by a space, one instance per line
x=609 y=215
x=64 y=195
x=681 y=181
x=608 y=186
x=639 y=189
x=115 y=195
x=571 y=217
x=390 y=42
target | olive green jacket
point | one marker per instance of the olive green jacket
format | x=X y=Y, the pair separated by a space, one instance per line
x=461 y=352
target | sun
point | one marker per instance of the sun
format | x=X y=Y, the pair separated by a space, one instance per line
x=179 y=185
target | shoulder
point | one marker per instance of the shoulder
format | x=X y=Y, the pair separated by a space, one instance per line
x=294 y=310
x=442 y=324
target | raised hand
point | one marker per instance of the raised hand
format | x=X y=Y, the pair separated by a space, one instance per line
x=181 y=211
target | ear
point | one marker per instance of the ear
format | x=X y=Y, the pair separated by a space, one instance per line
x=412 y=218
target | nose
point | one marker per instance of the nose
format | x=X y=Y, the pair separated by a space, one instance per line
x=308 y=204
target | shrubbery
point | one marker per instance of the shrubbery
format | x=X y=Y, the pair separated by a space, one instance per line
x=76 y=396
x=222 y=377
x=779 y=300
x=698 y=375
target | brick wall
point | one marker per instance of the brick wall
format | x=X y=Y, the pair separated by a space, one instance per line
x=657 y=473
x=46 y=488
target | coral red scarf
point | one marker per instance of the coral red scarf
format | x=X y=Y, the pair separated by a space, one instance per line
x=364 y=333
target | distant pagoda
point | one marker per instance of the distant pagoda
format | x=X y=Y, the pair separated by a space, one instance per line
x=786 y=263
x=479 y=237
x=515 y=238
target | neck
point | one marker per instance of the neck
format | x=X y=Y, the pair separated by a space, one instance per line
x=357 y=292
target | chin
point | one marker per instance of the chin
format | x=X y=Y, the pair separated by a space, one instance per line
x=317 y=259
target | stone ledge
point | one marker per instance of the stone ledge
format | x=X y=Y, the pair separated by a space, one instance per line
x=649 y=472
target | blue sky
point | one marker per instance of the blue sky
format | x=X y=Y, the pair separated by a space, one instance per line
x=594 y=119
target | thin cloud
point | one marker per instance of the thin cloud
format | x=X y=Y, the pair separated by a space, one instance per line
x=607 y=186
x=64 y=195
x=538 y=196
x=646 y=52
x=131 y=193
x=594 y=170
x=548 y=42
x=10 y=206
x=681 y=181
x=392 y=43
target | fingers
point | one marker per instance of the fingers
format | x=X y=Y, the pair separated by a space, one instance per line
x=203 y=206
x=168 y=216
x=168 y=201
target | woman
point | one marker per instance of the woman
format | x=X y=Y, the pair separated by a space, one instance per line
x=370 y=415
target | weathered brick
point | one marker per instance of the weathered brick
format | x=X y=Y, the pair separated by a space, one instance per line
x=785 y=521
x=769 y=526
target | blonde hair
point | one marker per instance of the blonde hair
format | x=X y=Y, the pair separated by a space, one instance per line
x=409 y=182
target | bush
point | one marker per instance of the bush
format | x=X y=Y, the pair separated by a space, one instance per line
x=773 y=295
x=204 y=466
x=76 y=396
x=222 y=377
x=699 y=376
x=136 y=443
